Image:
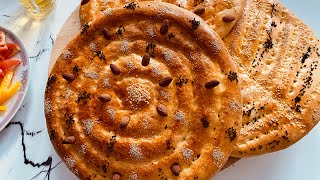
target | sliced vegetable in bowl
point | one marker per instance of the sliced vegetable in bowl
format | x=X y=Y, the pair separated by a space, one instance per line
x=14 y=75
x=7 y=66
x=6 y=89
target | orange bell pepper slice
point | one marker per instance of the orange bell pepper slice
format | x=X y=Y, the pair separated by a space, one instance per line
x=9 y=63
x=13 y=49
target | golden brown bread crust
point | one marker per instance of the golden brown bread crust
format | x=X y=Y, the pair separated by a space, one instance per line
x=277 y=56
x=171 y=125
x=212 y=11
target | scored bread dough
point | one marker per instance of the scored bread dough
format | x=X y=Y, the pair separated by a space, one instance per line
x=277 y=57
x=220 y=15
x=144 y=92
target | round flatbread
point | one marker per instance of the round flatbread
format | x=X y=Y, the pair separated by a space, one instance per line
x=144 y=92
x=277 y=56
x=220 y=15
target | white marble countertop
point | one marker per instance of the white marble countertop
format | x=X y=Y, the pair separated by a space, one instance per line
x=26 y=151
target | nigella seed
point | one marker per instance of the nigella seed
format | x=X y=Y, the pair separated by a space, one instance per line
x=228 y=18
x=114 y=69
x=164 y=27
x=194 y=24
x=165 y=81
x=145 y=60
x=199 y=11
x=205 y=123
x=104 y=97
x=85 y=28
x=67 y=76
x=232 y=133
x=106 y=33
x=131 y=6
x=69 y=140
x=101 y=55
x=211 y=84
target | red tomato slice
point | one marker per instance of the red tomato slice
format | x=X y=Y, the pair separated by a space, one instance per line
x=13 y=49
x=9 y=63
x=2 y=38
x=3 y=48
x=2 y=57
x=1 y=74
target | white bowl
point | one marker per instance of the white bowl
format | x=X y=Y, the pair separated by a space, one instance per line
x=22 y=74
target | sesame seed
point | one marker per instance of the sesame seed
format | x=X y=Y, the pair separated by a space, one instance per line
x=111 y=112
x=93 y=46
x=195 y=56
x=216 y=46
x=69 y=92
x=179 y=116
x=235 y=106
x=130 y=65
x=124 y=47
x=218 y=157
x=156 y=71
x=107 y=12
x=105 y=2
x=316 y=115
x=70 y=162
x=187 y=153
x=244 y=132
x=165 y=94
x=83 y=149
x=133 y=176
x=88 y=125
x=168 y=56
x=92 y=75
x=47 y=106
x=135 y=151
x=138 y=94
x=83 y=16
x=106 y=83
x=150 y=32
x=75 y=171
x=66 y=54
x=145 y=123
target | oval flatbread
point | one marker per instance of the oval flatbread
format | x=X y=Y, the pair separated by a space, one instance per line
x=277 y=56
x=220 y=15
x=145 y=92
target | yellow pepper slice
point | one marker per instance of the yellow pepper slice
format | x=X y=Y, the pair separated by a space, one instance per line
x=10 y=92
x=3 y=108
x=6 y=80
x=5 y=90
